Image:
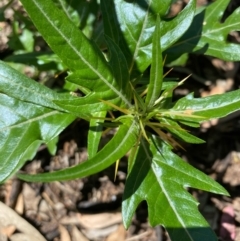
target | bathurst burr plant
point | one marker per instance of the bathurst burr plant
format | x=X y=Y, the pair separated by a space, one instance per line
x=117 y=63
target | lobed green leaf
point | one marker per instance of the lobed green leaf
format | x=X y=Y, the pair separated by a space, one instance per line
x=172 y=29
x=160 y=177
x=208 y=33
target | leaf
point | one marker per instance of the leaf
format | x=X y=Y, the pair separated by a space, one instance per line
x=161 y=9
x=98 y=35
x=85 y=106
x=23 y=128
x=118 y=64
x=42 y=60
x=160 y=177
x=172 y=29
x=208 y=34
x=137 y=28
x=16 y=85
x=179 y=132
x=74 y=49
x=111 y=28
x=15 y=42
x=52 y=145
x=95 y=133
x=155 y=84
x=206 y=108
x=29 y=119
x=116 y=148
x=82 y=13
x=27 y=40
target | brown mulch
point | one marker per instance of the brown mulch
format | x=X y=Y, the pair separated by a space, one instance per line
x=90 y=208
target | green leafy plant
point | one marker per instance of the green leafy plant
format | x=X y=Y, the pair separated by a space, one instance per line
x=118 y=67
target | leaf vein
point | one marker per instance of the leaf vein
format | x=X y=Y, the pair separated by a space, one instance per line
x=29 y=121
x=85 y=61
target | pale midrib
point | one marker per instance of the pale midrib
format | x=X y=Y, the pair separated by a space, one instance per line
x=206 y=35
x=213 y=11
x=35 y=93
x=223 y=28
x=64 y=9
x=165 y=193
x=110 y=27
x=172 y=205
x=180 y=22
x=222 y=50
x=24 y=87
x=123 y=142
x=156 y=90
x=29 y=121
x=10 y=157
x=234 y=102
x=140 y=38
x=119 y=94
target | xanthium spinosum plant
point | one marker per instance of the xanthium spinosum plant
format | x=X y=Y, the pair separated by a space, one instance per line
x=118 y=67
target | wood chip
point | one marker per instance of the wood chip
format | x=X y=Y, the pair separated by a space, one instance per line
x=10 y=217
x=77 y=235
x=19 y=207
x=119 y=234
x=99 y=233
x=102 y=220
x=64 y=235
x=8 y=230
x=31 y=199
